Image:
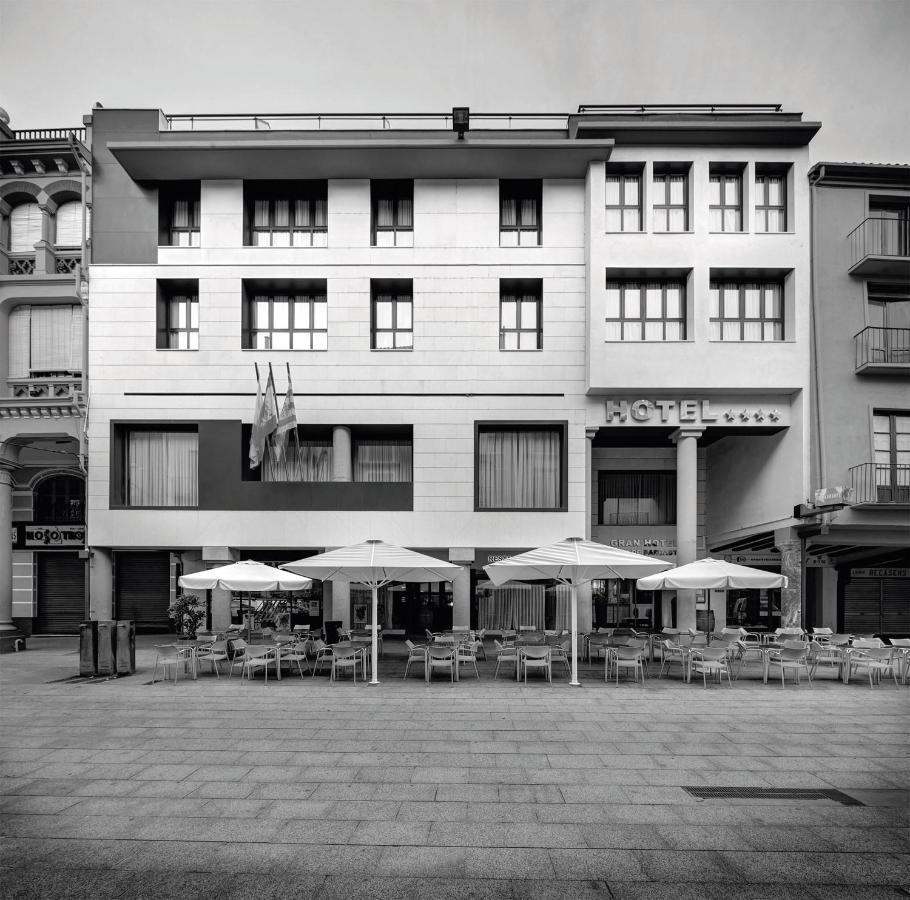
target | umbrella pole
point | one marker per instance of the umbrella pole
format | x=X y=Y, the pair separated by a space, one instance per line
x=574 y=682
x=374 y=649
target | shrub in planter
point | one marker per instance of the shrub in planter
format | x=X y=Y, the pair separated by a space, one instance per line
x=187 y=614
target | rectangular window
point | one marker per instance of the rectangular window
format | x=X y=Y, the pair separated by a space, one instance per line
x=623 y=202
x=770 y=201
x=645 y=310
x=304 y=458
x=725 y=197
x=383 y=459
x=392 y=315
x=45 y=341
x=178 y=315
x=520 y=315
x=520 y=216
x=287 y=214
x=636 y=498
x=520 y=467
x=671 y=199
x=392 y=204
x=747 y=311
x=161 y=467
x=290 y=315
x=891 y=454
x=179 y=214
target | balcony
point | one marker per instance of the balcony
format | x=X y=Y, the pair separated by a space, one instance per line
x=43 y=398
x=21 y=264
x=44 y=260
x=882 y=351
x=879 y=486
x=880 y=247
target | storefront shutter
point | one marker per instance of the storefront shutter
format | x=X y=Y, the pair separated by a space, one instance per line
x=143 y=590
x=862 y=606
x=896 y=606
x=61 y=593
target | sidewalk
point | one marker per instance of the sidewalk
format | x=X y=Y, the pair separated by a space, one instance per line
x=121 y=788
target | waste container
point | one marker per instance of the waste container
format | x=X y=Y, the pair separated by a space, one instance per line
x=125 y=647
x=106 y=649
x=704 y=620
x=88 y=648
x=331 y=631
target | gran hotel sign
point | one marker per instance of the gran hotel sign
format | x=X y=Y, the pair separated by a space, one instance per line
x=730 y=411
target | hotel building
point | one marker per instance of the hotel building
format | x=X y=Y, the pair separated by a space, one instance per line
x=500 y=334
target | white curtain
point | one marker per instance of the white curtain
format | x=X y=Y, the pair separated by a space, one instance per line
x=69 y=225
x=519 y=469
x=24 y=228
x=509 y=213
x=559 y=599
x=162 y=468
x=311 y=461
x=383 y=461
x=44 y=340
x=510 y=606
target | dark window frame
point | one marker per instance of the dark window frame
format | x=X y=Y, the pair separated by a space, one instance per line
x=170 y=293
x=642 y=284
x=296 y=290
x=395 y=190
x=741 y=320
x=54 y=492
x=518 y=292
x=763 y=206
x=310 y=192
x=722 y=175
x=622 y=177
x=519 y=190
x=668 y=476
x=401 y=291
x=169 y=194
x=662 y=175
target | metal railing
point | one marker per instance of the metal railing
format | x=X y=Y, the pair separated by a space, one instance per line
x=874 y=483
x=49 y=134
x=879 y=237
x=882 y=346
x=683 y=108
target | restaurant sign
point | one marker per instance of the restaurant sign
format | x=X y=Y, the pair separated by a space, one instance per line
x=697 y=412
x=880 y=573
x=55 y=536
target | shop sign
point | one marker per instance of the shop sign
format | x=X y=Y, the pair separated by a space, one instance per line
x=880 y=573
x=832 y=496
x=819 y=562
x=647 y=546
x=696 y=412
x=54 y=535
x=753 y=559
x=487 y=555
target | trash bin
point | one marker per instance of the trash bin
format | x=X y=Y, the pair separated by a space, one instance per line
x=88 y=648
x=704 y=620
x=125 y=647
x=331 y=631
x=106 y=649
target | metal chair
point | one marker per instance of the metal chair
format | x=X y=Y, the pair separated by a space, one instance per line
x=168 y=656
x=505 y=655
x=877 y=661
x=346 y=658
x=714 y=661
x=439 y=657
x=625 y=658
x=535 y=657
x=793 y=658
x=415 y=653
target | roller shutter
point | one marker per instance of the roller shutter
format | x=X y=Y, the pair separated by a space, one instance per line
x=143 y=590
x=896 y=606
x=877 y=606
x=61 y=593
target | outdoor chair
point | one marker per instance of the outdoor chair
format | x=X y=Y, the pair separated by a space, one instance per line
x=902 y=657
x=322 y=656
x=440 y=658
x=347 y=658
x=536 y=657
x=168 y=656
x=714 y=661
x=415 y=654
x=236 y=652
x=260 y=657
x=508 y=655
x=599 y=646
x=214 y=653
x=671 y=653
x=295 y=653
x=478 y=643
x=467 y=656
x=794 y=659
x=625 y=658
x=877 y=661
x=822 y=635
x=560 y=651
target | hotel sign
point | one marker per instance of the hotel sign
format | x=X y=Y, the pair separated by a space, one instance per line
x=696 y=412
x=55 y=536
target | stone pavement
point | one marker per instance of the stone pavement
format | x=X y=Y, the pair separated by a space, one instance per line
x=121 y=788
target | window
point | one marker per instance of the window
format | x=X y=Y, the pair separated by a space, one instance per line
x=520 y=466
x=69 y=224
x=889 y=315
x=178 y=315
x=383 y=459
x=671 y=199
x=891 y=451
x=392 y=205
x=60 y=499
x=304 y=459
x=623 y=211
x=45 y=341
x=290 y=315
x=24 y=228
x=726 y=201
x=890 y=235
x=520 y=320
x=287 y=214
x=392 y=315
x=747 y=311
x=645 y=311
x=636 y=498
x=520 y=213
x=770 y=201
x=161 y=466
x=178 y=214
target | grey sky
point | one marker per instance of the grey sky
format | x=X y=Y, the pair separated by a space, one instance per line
x=844 y=63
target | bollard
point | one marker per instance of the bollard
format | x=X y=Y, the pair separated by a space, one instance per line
x=125 y=647
x=106 y=648
x=88 y=648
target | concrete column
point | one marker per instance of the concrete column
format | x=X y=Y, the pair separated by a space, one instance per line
x=461 y=598
x=6 y=552
x=686 y=440
x=590 y=434
x=791 y=597
x=342 y=460
x=101 y=584
x=585 y=608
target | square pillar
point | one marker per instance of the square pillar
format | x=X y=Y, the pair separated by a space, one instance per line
x=791 y=565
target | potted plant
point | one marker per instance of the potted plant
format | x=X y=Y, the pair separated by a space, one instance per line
x=187 y=614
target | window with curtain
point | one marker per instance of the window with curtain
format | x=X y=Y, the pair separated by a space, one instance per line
x=891 y=453
x=162 y=468
x=520 y=319
x=392 y=204
x=297 y=219
x=519 y=468
x=636 y=498
x=304 y=459
x=69 y=224
x=45 y=341
x=770 y=202
x=24 y=228
x=725 y=201
x=288 y=321
x=671 y=200
x=383 y=460
x=645 y=311
x=179 y=212
x=392 y=316
x=623 y=202
x=520 y=213
x=747 y=311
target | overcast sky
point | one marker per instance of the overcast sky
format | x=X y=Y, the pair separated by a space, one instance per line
x=845 y=63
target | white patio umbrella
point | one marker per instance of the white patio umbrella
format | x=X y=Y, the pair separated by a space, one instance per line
x=711 y=573
x=574 y=561
x=374 y=564
x=247 y=575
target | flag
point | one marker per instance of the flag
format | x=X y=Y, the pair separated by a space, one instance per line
x=287 y=422
x=265 y=422
x=257 y=443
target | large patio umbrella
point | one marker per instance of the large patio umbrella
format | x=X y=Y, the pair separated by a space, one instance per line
x=711 y=573
x=374 y=564
x=247 y=575
x=574 y=561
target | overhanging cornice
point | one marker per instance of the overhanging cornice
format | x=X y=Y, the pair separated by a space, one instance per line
x=696 y=131
x=407 y=157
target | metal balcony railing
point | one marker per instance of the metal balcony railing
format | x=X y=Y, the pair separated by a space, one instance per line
x=879 y=237
x=882 y=348
x=878 y=484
